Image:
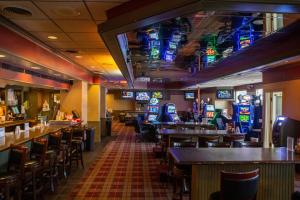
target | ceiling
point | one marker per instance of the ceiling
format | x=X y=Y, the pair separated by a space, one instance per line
x=232 y=80
x=73 y=23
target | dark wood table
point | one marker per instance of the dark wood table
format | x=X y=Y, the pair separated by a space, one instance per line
x=277 y=169
x=195 y=125
x=168 y=134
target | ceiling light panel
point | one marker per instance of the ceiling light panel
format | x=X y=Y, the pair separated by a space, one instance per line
x=65 y=10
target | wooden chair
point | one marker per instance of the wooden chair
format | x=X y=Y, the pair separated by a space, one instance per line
x=238 y=186
x=10 y=180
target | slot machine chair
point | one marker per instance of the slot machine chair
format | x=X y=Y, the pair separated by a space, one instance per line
x=285 y=127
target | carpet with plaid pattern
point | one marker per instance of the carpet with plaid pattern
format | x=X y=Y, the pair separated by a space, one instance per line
x=124 y=170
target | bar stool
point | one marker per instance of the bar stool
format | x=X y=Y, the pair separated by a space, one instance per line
x=38 y=165
x=202 y=140
x=237 y=186
x=54 y=157
x=77 y=144
x=67 y=146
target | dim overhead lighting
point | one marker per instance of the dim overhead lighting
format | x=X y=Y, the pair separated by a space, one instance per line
x=2 y=56
x=56 y=74
x=78 y=56
x=52 y=37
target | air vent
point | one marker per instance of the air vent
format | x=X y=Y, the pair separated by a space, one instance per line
x=72 y=51
x=11 y=11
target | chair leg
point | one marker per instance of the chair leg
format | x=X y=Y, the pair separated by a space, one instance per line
x=81 y=157
x=7 y=191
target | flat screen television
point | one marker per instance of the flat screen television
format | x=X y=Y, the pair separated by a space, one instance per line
x=127 y=94
x=225 y=94
x=157 y=94
x=142 y=96
x=189 y=95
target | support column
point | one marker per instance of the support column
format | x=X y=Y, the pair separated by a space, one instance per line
x=75 y=99
x=199 y=101
x=94 y=110
x=103 y=110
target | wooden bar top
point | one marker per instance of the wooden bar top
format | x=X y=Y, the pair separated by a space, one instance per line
x=191 y=132
x=15 y=123
x=12 y=138
x=194 y=156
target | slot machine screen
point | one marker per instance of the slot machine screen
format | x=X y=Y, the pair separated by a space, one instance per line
x=245 y=110
x=244 y=118
x=153 y=109
x=152 y=117
x=210 y=114
x=171 y=109
x=210 y=108
x=157 y=94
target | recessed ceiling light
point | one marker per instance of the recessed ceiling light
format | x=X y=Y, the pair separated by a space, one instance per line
x=78 y=56
x=35 y=67
x=52 y=37
x=2 y=56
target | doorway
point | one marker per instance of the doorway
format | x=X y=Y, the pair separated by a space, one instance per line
x=273 y=108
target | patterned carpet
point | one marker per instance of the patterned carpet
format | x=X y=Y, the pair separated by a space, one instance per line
x=125 y=170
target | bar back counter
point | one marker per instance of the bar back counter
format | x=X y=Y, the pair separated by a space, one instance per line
x=276 y=165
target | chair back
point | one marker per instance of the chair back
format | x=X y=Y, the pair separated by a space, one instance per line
x=17 y=158
x=38 y=149
x=54 y=140
x=202 y=140
x=217 y=145
x=183 y=142
x=78 y=132
x=67 y=135
x=239 y=186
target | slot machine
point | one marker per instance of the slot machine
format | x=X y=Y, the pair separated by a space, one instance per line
x=168 y=113
x=153 y=109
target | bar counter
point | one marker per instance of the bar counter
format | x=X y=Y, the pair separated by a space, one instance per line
x=16 y=123
x=276 y=165
x=12 y=138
